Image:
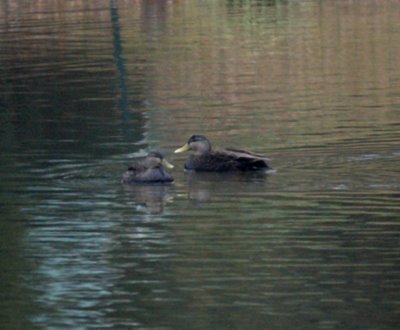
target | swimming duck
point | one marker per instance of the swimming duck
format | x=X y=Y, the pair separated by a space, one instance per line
x=149 y=170
x=205 y=158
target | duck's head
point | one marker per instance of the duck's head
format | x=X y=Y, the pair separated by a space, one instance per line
x=156 y=159
x=198 y=144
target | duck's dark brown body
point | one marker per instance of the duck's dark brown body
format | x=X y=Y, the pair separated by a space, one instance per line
x=150 y=170
x=205 y=158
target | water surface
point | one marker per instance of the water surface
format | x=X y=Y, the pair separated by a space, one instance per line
x=88 y=87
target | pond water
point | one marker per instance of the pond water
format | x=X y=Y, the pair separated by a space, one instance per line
x=89 y=86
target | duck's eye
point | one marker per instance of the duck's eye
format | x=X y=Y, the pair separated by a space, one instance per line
x=196 y=138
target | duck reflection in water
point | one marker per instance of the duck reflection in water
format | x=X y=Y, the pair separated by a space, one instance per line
x=149 y=198
x=149 y=170
x=145 y=181
x=204 y=158
x=202 y=186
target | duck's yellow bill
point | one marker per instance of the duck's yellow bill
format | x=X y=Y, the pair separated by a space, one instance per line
x=182 y=149
x=167 y=164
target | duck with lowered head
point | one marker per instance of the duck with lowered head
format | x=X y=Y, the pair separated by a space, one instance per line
x=150 y=170
x=205 y=158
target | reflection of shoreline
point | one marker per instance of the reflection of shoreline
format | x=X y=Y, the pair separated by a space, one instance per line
x=203 y=185
x=149 y=198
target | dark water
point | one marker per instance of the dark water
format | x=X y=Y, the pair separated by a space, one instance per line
x=88 y=86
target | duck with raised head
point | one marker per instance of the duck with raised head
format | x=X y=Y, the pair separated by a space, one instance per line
x=149 y=170
x=205 y=158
